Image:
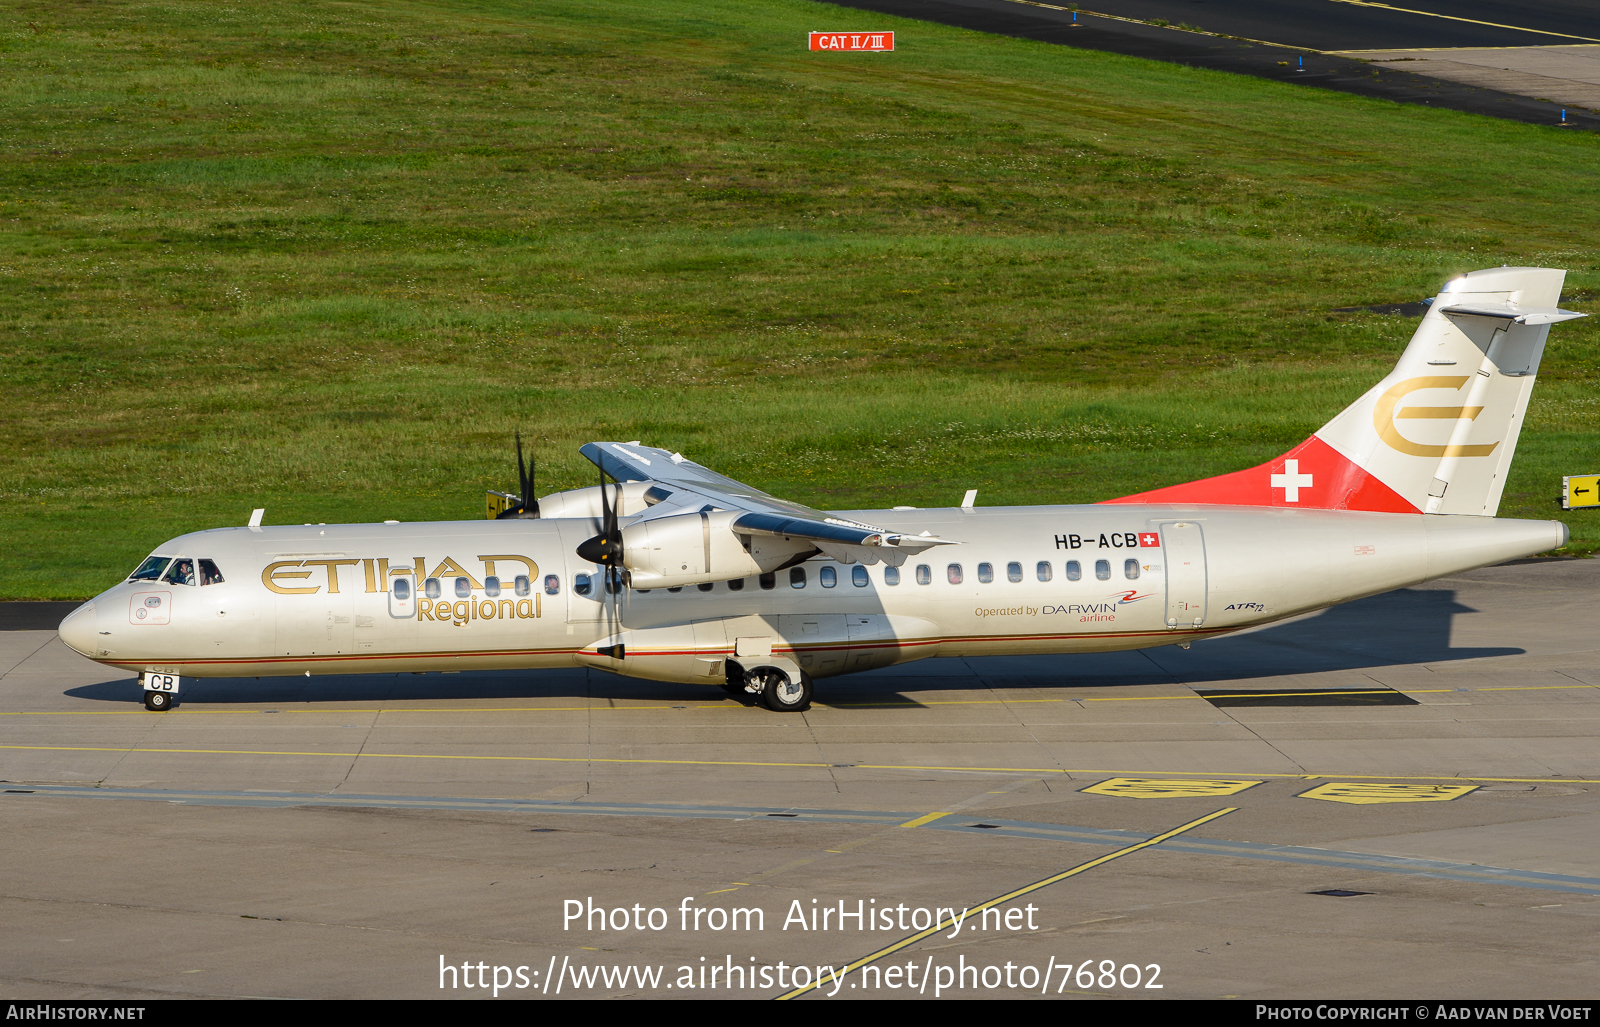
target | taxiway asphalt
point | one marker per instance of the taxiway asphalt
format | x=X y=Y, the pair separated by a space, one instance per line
x=338 y=836
x=1318 y=43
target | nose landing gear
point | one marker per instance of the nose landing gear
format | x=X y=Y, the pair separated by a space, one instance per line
x=157 y=702
x=783 y=688
x=778 y=691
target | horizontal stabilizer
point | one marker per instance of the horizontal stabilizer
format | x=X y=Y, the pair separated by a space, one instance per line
x=1513 y=312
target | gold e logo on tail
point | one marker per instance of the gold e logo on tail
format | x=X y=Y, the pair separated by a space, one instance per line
x=1384 y=416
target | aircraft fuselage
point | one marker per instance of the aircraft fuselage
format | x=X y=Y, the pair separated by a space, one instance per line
x=324 y=599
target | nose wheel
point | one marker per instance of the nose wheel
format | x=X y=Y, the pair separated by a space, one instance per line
x=157 y=702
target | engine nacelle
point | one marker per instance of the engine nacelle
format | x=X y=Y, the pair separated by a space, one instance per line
x=693 y=548
x=587 y=502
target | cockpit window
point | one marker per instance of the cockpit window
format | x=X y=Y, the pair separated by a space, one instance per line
x=209 y=575
x=180 y=573
x=151 y=569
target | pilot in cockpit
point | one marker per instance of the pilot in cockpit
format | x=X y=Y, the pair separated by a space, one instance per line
x=182 y=572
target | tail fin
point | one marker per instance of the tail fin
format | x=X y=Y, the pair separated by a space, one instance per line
x=1436 y=435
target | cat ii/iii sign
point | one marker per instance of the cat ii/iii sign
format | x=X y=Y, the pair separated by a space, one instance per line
x=877 y=42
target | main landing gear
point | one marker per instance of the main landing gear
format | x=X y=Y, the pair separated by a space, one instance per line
x=776 y=689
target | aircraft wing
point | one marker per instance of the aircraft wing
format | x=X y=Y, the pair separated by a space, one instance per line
x=683 y=486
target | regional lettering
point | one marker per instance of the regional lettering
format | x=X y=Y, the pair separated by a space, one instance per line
x=463 y=611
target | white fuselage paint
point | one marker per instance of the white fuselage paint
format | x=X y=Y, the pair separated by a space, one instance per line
x=1240 y=567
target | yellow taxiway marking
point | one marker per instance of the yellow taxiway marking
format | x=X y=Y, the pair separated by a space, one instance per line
x=1366 y=793
x=739 y=706
x=930 y=818
x=1150 y=788
x=1072 y=771
x=949 y=922
x=944 y=702
x=1470 y=21
x=1447 y=49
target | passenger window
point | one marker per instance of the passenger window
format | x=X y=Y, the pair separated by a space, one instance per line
x=580 y=584
x=180 y=573
x=431 y=589
x=829 y=576
x=924 y=574
x=985 y=572
x=552 y=585
x=151 y=569
x=891 y=575
x=209 y=575
x=1130 y=569
x=797 y=577
x=706 y=586
x=522 y=586
x=1074 y=570
x=491 y=586
x=736 y=585
x=401 y=587
x=1102 y=570
x=769 y=581
x=613 y=582
x=953 y=572
x=463 y=588
x=1044 y=570
x=858 y=576
x=1013 y=572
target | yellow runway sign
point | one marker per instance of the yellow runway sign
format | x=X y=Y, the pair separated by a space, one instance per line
x=1580 y=490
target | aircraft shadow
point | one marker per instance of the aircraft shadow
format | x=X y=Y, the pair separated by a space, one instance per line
x=1407 y=626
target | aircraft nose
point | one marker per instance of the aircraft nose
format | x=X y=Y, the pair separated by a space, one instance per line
x=81 y=630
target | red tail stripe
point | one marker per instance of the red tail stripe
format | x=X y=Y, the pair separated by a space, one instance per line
x=1320 y=478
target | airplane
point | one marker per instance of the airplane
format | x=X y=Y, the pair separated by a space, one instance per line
x=669 y=571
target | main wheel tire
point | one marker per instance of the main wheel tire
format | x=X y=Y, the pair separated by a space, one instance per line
x=781 y=695
x=159 y=702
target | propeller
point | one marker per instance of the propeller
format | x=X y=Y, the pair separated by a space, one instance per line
x=527 y=507
x=605 y=548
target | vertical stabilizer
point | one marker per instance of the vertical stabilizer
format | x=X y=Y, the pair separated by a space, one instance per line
x=1436 y=435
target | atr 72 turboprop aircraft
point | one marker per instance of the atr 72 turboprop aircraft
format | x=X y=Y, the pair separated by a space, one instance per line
x=677 y=573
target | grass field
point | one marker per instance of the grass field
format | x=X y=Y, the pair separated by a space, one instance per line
x=325 y=257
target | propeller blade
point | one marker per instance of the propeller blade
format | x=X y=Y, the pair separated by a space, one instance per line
x=526 y=506
x=605 y=548
x=522 y=473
